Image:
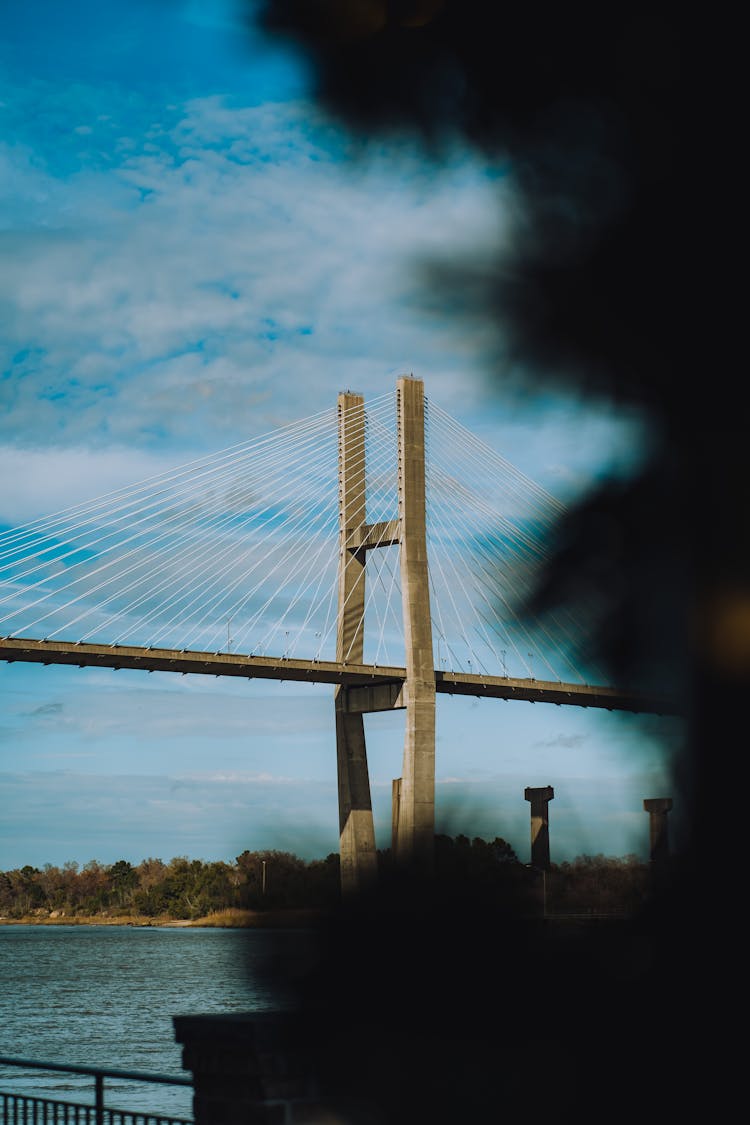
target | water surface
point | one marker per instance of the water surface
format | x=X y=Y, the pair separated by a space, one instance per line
x=105 y=996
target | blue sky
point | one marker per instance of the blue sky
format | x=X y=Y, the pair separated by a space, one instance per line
x=192 y=255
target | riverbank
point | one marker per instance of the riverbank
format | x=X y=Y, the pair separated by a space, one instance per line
x=223 y=919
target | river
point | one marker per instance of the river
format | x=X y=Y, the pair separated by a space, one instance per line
x=105 y=996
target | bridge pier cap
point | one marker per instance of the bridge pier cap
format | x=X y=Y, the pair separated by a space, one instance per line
x=657 y=804
x=543 y=794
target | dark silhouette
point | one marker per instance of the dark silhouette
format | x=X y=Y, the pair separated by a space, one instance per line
x=616 y=133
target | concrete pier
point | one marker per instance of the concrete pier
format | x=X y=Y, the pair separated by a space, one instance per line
x=248 y=1068
x=657 y=809
x=395 y=811
x=540 y=799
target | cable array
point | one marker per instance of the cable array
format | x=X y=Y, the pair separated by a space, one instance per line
x=239 y=552
x=235 y=551
x=488 y=533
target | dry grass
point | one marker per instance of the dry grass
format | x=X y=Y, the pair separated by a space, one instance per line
x=253 y=919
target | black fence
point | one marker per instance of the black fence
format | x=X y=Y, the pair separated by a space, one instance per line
x=30 y=1109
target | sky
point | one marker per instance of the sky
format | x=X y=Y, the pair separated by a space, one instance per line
x=191 y=256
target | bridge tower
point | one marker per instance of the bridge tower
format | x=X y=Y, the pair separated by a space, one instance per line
x=414 y=816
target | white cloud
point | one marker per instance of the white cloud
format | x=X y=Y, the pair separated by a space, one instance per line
x=256 y=263
x=53 y=479
x=226 y=269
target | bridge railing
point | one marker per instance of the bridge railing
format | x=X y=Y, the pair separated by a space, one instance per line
x=17 y=1108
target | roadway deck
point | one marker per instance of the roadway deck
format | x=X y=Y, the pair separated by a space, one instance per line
x=188 y=662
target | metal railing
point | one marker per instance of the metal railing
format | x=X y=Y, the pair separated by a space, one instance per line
x=29 y=1109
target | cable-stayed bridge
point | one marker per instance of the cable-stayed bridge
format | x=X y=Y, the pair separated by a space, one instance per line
x=384 y=551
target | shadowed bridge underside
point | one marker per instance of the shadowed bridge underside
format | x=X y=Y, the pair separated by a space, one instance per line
x=379 y=686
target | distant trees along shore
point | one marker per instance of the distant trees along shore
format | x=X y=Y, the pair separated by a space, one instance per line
x=270 y=880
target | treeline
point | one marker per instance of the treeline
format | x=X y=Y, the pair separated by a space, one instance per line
x=598 y=884
x=589 y=884
x=185 y=889
x=180 y=889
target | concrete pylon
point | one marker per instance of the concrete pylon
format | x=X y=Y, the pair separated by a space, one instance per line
x=540 y=799
x=358 y=856
x=657 y=809
x=416 y=820
x=414 y=793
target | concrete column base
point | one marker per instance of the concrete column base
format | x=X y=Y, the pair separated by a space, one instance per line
x=247 y=1070
x=657 y=809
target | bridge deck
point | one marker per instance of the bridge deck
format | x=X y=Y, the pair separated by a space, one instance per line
x=187 y=662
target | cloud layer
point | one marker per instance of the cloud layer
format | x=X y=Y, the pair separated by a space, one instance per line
x=178 y=277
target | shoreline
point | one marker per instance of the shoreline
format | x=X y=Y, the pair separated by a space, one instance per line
x=225 y=919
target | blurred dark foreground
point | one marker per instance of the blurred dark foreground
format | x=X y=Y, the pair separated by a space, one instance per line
x=429 y=1000
x=432 y=1001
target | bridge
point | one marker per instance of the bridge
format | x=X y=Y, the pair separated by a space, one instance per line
x=352 y=535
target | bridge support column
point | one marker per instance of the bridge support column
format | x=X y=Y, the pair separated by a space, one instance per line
x=540 y=799
x=395 y=810
x=358 y=856
x=657 y=809
x=416 y=821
